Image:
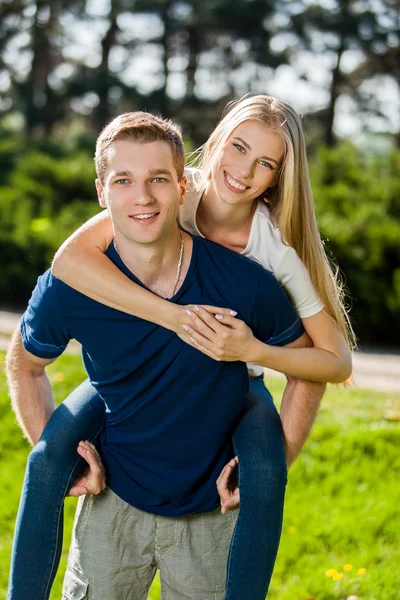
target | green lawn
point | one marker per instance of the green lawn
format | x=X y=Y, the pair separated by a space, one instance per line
x=342 y=526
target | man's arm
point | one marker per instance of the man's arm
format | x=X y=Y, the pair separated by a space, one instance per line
x=29 y=387
x=300 y=403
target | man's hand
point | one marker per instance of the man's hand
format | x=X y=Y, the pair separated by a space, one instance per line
x=227 y=487
x=93 y=480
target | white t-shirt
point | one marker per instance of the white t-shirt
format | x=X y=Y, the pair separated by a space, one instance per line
x=264 y=246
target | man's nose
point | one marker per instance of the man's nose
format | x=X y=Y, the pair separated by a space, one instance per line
x=142 y=194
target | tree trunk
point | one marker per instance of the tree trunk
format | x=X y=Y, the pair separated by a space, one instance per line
x=103 y=111
x=334 y=94
x=40 y=115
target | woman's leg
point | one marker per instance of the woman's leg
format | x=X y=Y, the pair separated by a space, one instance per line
x=52 y=466
x=258 y=442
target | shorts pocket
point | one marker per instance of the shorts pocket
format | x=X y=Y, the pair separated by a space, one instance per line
x=75 y=587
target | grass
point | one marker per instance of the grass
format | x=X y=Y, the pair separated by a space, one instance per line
x=342 y=526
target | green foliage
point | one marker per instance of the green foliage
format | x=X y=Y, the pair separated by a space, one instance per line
x=43 y=199
x=341 y=527
x=358 y=208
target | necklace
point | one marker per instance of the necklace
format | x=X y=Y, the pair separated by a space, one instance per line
x=178 y=270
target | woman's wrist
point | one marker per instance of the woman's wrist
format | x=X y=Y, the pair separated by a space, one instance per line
x=256 y=352
x=169 y=316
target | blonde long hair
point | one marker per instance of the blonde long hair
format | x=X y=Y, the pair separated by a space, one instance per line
x=290 y=199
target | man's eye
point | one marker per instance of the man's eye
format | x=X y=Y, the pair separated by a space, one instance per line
x=122 y=181
x=159 y=179
x=239 y=147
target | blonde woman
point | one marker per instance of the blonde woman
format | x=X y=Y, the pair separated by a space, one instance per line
x=251 y=193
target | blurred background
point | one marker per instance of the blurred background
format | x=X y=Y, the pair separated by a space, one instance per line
x=67 y=68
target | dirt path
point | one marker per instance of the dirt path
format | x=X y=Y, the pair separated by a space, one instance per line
x=372 y=369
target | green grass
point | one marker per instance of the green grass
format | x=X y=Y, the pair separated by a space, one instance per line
x=342 y=498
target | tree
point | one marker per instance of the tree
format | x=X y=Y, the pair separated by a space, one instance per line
x=350 y=27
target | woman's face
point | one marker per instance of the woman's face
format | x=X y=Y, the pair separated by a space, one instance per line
x=247 y=163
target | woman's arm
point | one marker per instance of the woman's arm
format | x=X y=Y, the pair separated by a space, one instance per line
x=82 y=264
x=225 y=338
x=329 y=361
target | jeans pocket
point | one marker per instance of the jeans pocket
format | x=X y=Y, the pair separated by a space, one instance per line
x=75 y=587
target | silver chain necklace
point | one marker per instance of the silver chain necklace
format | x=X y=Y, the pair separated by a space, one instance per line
x=178 y=270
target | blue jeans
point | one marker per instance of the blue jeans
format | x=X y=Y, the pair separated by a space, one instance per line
x=54 y=464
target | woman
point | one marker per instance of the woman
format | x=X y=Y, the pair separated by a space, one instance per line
x=252 y=194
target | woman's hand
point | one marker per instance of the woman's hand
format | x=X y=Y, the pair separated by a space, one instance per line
x=93 y=479
x=216 y=333
x=227 y=486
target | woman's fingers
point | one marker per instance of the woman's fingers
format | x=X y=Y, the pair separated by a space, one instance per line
x=213 y=321
x=228 y=321
x=214 y=310
x=200 y=325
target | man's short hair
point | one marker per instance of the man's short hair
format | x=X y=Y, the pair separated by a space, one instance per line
x=139 y=127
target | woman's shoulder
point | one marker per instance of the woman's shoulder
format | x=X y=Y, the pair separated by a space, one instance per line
x=266 y=240
x=187 y=211
x=193 y=176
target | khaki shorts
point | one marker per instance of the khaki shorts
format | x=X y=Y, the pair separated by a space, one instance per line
x=116 y=550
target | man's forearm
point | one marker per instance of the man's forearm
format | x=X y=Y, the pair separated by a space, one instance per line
x=30 y=392
x=299 y=408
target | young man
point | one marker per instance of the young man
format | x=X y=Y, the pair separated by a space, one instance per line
x=170 y=410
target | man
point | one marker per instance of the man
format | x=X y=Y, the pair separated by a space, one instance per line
x=170 y=410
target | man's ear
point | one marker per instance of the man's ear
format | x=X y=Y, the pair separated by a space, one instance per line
x=182 y=190
x=100 y=193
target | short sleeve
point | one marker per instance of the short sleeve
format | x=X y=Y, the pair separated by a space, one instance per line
x=275 y=321
x=42 y=325
x=294 y=277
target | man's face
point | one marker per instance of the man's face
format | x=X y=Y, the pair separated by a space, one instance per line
x=141 y=190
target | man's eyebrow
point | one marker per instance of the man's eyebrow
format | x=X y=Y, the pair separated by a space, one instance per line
x=154 y=172
x=121 y=174
x=246 y=145
x=151 y=172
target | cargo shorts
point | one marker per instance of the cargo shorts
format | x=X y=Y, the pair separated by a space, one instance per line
x=116 y=550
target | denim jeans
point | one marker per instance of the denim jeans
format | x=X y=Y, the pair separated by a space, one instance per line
x=54 y=464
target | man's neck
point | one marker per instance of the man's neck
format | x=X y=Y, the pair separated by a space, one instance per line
x=156 y=265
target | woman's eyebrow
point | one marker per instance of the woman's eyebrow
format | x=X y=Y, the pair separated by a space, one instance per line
x=246 y=145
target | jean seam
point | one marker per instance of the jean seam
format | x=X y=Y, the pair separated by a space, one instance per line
x=66 y=488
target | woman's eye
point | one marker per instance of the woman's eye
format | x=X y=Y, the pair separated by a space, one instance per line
x=264 y=163
x=239 y=147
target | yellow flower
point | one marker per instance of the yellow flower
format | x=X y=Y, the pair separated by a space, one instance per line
x=361 y=571
x=337 y=576
x=1 y=358
x=347 y=567
x=330 y=572
x=292 y=529
x=59 y=377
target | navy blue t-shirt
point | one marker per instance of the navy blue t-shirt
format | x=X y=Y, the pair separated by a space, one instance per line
x=170 y=410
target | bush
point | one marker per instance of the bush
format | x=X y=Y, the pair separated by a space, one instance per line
x=358 y=207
